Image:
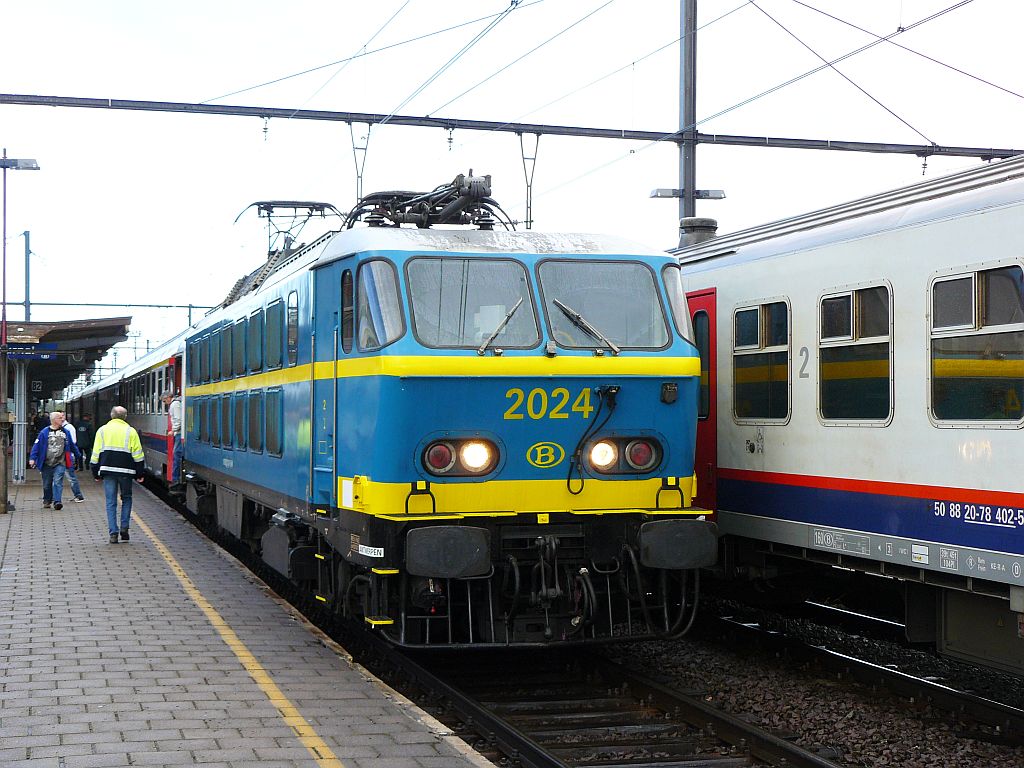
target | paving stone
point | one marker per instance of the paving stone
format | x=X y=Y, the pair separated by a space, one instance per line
x=96 y=675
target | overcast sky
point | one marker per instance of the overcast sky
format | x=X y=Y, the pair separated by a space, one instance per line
x=140 y=207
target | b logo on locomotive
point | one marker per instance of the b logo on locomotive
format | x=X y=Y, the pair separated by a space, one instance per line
x=544 y=455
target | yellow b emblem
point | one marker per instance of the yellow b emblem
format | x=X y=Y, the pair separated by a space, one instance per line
x=544 y=455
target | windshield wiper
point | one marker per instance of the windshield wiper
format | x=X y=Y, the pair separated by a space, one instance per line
x=581 y=322
x=501 y=326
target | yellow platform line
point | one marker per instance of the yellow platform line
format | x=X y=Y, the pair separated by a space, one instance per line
x=309 y=738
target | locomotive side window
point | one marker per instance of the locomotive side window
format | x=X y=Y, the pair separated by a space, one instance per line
x=702 y=340
x=256 y=340
x=275 y=434
x=977 y=346
x=347 y=311
x=378 y=306
x=215 y=420
x=226 y=358
x=854 y=373
x=618 y=299
x=293 y=327
x=215 y=356
x=225 y=421
x=673 y=277
x=256 y=421
x=204 y=359
x=238 y=335
x=461 y=303
x=275 y=327
x=761 y=362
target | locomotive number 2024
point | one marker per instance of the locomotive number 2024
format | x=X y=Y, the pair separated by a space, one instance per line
x=541 y=404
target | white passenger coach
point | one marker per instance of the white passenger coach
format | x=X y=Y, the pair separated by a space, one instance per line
x=863 y=375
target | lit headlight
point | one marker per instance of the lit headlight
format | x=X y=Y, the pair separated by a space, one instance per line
x=603 y=454
x=475 y=455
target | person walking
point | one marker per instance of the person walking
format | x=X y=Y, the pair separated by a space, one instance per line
x=73 y=466
x=117 y=459
x=173 y=403
x=84 y=439
x=52 y=453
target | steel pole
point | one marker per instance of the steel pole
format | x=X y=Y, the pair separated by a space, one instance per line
x=28 y=250
x=4 y=421
x=688 y=107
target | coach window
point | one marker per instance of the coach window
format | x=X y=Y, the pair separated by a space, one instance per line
x=347 y=311
x=854 y=356
x=761 y=362
x=275 y=434
x=702 y=340
x=226 y=359
x=215 y=356
x=293 y=328
x=238 y=346
x=378 y=308
x=256 y=340
x=256 y=421
x=275 y=327
x=977 y=346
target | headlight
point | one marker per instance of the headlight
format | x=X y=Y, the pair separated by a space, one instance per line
x=604 y=454
x=475 y=455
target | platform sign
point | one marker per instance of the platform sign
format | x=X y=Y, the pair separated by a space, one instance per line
x=47 y=351
x=37 y=386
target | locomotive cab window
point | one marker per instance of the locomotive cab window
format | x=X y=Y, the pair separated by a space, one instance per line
x=378 y=307
x=673 y=277
x=463 y=303
x=591 y=303
x=760 y=362
x=977 y=346
x=854 y=370
x=347 y=311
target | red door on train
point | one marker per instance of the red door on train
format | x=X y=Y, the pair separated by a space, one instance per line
x=702 y=313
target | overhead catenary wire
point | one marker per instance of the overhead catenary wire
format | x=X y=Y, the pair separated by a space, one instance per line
x=751 y=99
x=383 y=48
x=513 y=5
x=352 y=58
x=848 y=79
x=525 y=55
x=925 y=56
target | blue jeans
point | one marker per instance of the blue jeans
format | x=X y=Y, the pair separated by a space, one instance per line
x=75 y=487
x=53 y=482
x=176 y=461
x=111 y=485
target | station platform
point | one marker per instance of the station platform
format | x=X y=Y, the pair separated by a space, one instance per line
x=165 y=651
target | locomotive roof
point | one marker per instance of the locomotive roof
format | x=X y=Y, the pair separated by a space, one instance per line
x=992 y=185
x=479 y=241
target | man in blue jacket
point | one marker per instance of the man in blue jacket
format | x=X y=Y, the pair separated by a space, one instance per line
x=52 y=453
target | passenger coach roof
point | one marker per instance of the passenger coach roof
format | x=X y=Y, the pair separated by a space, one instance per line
x=988 y=186
x=478 y=241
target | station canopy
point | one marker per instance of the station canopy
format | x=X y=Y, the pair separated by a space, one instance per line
x=58 y=352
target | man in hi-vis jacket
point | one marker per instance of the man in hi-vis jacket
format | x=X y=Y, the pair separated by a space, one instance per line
x=117 y=458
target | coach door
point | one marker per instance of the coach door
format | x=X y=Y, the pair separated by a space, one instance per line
x=324 y=390
x=702 y=312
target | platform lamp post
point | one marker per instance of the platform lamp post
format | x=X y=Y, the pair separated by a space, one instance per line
x=17 y=165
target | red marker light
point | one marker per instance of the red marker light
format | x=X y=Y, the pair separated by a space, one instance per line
x=439 y=457
x=640 y=455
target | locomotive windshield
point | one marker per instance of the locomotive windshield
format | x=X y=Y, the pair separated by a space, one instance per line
x=618 y=300
x=459 y=303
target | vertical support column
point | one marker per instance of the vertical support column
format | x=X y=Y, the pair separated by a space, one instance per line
x=359 y=156
x=688 y=107
x=20 y=452
x=529 y=165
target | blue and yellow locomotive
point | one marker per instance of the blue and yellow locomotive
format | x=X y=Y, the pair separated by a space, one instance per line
x=467 y=437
